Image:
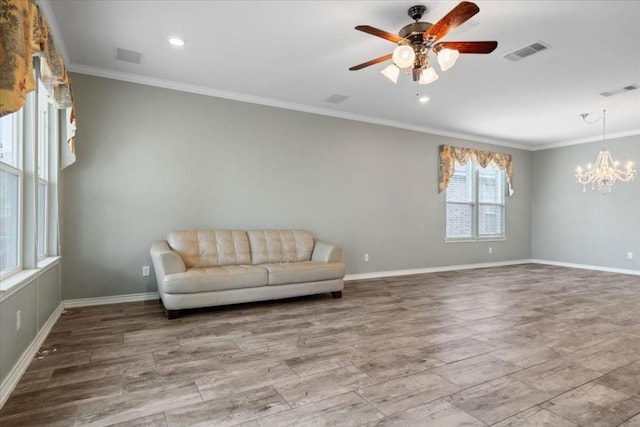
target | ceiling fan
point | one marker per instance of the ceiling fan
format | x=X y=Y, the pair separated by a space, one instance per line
x=417 y=39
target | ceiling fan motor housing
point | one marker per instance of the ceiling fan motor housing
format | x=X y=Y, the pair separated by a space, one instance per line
x=414 y=30
x=415 y=34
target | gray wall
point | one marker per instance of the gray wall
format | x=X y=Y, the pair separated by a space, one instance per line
x=588 y=228
x=152 y=160
x=37 y=300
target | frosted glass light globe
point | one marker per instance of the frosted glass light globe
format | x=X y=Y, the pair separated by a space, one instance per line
x=403 y=56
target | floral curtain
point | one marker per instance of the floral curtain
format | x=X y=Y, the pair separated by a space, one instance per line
x=449 y=155
x=24 y=33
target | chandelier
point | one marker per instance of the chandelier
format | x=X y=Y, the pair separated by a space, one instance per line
x=605 y=172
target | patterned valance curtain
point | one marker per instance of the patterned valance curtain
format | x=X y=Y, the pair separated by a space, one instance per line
x=24 y=33
x=449 y=155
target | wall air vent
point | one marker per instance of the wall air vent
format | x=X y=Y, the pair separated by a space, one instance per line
x=128 y=56
x=526 y=51
x=336 y=99
x=628 y=88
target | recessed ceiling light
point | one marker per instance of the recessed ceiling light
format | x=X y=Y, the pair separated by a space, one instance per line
x=176 y=41
x=424 y=99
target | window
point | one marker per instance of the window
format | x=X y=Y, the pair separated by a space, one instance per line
x=475 y=203
x=28 y=177
x=9 y=139
x=10 y=192
x=43 y=178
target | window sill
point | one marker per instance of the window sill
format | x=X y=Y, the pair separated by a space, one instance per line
x=15 y=282
x=45 y=263
x=477 y=240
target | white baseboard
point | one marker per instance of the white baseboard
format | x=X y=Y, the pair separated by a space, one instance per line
x=379 y=274
x=588 y=267
x=11 y=381
x=116 y=299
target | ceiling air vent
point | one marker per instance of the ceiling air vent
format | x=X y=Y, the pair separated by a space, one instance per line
x=128 y=56
x=619 y=91
x=336 y=99
x=526 y=51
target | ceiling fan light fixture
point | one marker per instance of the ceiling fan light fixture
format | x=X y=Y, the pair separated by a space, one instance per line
x=428 y=75
x=403 y=56
x=447 y=58
x=391 y=72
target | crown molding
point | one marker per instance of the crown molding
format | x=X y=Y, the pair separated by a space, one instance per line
x=45 y=7
x=632 y=132
x=235 y=96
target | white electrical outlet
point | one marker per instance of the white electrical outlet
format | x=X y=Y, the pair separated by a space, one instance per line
x=490 y=250
x=629 y=255
x=18 y=320
x=366 y=257
x=145 y=270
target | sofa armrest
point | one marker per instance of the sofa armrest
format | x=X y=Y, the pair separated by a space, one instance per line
x=165 y=260
x=326 y=252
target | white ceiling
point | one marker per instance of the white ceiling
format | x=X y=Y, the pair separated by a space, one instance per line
x=296 y=54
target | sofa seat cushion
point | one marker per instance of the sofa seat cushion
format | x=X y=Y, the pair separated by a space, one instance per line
x=301 y=272
x=215 y=279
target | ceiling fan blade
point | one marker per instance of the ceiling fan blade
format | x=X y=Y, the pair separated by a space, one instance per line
x=468 y=47
x=372 y=62
x=458 y=15
x=380 y=33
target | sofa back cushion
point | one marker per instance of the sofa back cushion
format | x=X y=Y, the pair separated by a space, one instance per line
x=280 y=246
x=211 y=248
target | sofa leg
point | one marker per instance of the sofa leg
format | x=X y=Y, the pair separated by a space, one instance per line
x=173 y=314
x=336 y=294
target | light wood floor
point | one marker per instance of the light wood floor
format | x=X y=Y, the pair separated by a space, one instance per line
x=525 y=345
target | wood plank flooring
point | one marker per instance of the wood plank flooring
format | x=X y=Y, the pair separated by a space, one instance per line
x=525 y=345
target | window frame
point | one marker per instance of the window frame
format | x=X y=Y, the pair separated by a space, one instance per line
x=42 y=252
x=18 y=172
x=34 y=135
x=475 y=206
x=43 y=123
x=16 y=132
x=17 y=169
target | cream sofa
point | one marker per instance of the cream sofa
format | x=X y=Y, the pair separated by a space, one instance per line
x=219 y=267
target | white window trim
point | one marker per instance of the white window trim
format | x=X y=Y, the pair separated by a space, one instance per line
x=45 y=231
x=14 y=283
x=43 y=141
